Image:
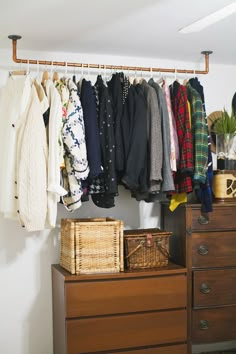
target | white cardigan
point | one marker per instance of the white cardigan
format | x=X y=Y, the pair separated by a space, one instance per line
x=14 y=100
x=31 y=167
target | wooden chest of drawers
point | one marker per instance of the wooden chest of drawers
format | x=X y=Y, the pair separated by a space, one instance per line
x=142 y=312
x=209 y=253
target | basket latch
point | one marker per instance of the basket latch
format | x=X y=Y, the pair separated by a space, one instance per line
x=150 y=240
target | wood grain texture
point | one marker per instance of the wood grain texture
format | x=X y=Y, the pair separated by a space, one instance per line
x=172 y=349
x=219 y=219
x=221 y=325
x=217 y=267
x=58 y=303
x=127 y=331
x=125 y=296
x=137 y=312
x=221 y=284
x=221 y=249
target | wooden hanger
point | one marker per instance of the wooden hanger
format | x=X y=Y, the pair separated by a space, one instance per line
x=55 y=76
x=45 y=77
x=17 y=72
x=185 y=81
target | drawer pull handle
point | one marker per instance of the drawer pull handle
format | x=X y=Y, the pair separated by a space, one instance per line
x=203 y=325
x=205 y=288
x=203 y=220
x=203 y=250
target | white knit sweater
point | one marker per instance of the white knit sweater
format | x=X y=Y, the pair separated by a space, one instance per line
x=32 y=167
x=14 y=100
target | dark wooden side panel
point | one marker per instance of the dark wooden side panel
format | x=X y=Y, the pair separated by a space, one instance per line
x=176 y=223
x=221 y=249
x=123 y=296
x=173 y=349
x=117 y=332
x=214 y=287
x=221 y=323
x=58 y=302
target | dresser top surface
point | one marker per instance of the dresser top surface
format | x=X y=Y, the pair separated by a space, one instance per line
x=171 y=269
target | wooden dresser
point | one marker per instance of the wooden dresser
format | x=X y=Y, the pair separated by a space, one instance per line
x=208 y=249
x=138 y=312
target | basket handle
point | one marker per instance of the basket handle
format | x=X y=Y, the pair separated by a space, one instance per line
x=163 y=250
x=136 y=249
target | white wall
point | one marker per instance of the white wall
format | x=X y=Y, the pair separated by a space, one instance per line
x=25 y=258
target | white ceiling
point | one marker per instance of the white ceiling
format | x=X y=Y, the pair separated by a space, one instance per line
x=145 y=28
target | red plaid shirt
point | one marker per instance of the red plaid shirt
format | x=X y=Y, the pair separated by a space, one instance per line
x=182 y=178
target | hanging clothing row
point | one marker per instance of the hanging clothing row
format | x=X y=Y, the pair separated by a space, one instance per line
x=70 y=141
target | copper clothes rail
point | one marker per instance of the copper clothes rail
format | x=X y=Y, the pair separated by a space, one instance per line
x=15 y=38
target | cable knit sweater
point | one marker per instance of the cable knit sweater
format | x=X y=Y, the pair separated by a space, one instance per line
x=14 y=100
x=32 y=167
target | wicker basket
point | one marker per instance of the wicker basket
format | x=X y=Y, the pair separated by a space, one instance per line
x=146 y=248
x=92 y=245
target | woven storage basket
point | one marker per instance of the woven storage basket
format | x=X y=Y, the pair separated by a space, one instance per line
x=92 y=245
x=146 y=248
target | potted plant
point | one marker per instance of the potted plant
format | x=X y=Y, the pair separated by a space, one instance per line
x=224 y=179
x=224 y=128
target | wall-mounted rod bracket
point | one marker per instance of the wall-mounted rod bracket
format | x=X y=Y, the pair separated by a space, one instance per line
x=15 y=38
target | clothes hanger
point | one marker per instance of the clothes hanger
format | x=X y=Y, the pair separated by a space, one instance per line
x=45 y=77
x=105 y=75
x=37 y=78
x=151 y=74
x=89 y=78
x=186 y=79
x=141 y=79
x=161 y=79
x=66 y=69
x=81 y=77
x=135 y=80
x=19 y=72
x=55 y=76
x=74 y=76
x=175 y=75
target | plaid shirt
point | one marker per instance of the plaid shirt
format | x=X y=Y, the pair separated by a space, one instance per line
x=183 y=180
x=200 y=135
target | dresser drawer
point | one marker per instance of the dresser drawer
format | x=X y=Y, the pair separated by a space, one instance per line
x=214 y=249
x=222 y=218
x=91 y=298
x=127 y=331
x=214 y=287
x=173 y=349
x=214 y=325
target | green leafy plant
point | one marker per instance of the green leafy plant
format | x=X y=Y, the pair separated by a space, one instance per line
x=225 y=124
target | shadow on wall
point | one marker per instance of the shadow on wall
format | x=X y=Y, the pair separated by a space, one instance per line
x=126 y=209
x=39 y=320
x=149 y=215
x=25 y=263
x=12 y=241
